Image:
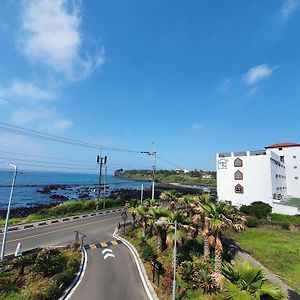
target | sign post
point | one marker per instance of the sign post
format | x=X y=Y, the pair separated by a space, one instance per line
x=156 y=268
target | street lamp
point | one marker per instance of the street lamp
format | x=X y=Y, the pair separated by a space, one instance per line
x=8 y=210
x=163 y=223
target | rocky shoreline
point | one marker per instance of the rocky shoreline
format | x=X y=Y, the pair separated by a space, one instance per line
x=85 y=193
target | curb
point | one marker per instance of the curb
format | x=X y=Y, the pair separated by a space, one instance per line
x=61 y=220
x=79 y=276
x=142 y=272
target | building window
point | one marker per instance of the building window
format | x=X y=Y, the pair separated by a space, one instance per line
x=238 y=175
x=280 y=148
x=295 y=167
x=239 y=189
x=238 y=162
x=296 y=177
x=294 y=156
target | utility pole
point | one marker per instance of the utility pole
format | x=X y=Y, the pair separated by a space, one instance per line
x=8 y=210
x=105 y=173
x=153 y=171
x=100 y=161
x=153 y=154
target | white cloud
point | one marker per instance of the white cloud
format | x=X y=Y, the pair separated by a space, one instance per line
x=25 y=89
x=258 y=73
x=44 y=119
x=51 y=36
x=197 y=126
x=288 y=8
x=59 y=124
x=225 y=84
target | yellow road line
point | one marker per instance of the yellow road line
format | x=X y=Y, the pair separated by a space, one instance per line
x=59 y=230
x=103 y=245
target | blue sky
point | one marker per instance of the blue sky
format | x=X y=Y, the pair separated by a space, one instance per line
x=195 y=77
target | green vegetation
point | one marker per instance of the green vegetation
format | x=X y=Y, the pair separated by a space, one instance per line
x=199 y=256
x=64 y=210
x=257 y=209
x=170 y=176
x=278 y=250
x=294 y=202
x=41 y=276
x=277 y=218
x=245 y=281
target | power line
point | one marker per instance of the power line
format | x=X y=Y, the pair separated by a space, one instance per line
x=59 y=139
x=49 y=166
x=46 y=113
x=45 y=162
x=42 y=156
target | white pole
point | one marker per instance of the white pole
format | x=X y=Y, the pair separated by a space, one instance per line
x=8 y=211
x=142 y=193
x=174 y=262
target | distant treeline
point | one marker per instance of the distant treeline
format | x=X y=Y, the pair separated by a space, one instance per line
x=195 y=177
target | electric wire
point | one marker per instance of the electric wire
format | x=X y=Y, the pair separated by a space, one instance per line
x=59 y=139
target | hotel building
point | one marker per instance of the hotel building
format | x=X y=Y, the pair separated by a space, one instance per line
x=271 y=175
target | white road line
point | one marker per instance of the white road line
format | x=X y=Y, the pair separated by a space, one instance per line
x=108 y=255
x=106 y=250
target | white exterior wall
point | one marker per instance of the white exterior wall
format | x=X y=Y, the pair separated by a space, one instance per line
x=292 y=173
x=285 y=209
x=256 y=181
x=278 y=176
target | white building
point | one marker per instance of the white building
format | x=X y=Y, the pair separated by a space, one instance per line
x=271 y=176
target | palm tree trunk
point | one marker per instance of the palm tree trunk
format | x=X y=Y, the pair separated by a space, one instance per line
x=206 y=249
x=145 y=225
x=218 y=260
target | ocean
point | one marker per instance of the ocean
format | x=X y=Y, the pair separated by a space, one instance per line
x=29 y=183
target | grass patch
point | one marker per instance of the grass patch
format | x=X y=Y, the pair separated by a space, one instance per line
x=277 y=218
x=277 y=250
x=66 y=209
x=25 y=277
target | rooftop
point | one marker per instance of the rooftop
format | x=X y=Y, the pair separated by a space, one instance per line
x=283 y=145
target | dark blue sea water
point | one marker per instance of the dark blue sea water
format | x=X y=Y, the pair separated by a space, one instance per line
x=29 y=182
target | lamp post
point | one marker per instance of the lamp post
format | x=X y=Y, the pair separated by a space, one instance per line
x=8 y=210
x=174 y=262
x=163 y=223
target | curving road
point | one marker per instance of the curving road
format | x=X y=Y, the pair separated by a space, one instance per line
x=113 y=276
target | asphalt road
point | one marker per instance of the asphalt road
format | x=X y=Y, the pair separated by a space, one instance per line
x=111 y=278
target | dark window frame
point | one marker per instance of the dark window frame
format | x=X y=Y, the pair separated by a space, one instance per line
x=240 y=173
x=238 y=165
x=239 y=189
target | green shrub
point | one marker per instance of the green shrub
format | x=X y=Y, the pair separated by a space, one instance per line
x=147 y=252
x=285 y=226
x=251 y=222
x=258 y=209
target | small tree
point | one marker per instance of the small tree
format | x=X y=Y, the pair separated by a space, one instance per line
x=47 y=262
x=257 y=209
x=245 y=281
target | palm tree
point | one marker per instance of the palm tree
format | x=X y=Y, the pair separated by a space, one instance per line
x=47 y=262
x=171 y=197
x=159 y=214
x=218 y=216
x=245 y=281
x=143 y=212
x=20 y=263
